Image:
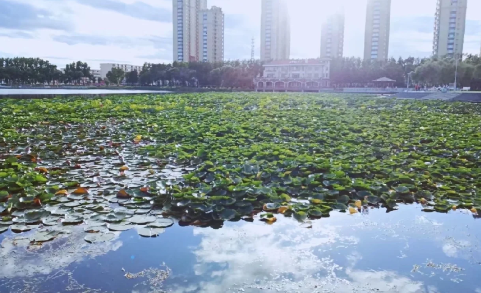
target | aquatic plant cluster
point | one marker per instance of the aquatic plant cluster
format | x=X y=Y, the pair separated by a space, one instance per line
x=125 y=161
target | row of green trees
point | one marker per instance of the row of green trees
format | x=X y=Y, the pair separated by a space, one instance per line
x=38 y=71
x=218 y=74
x=353 y=72
x=345 y=72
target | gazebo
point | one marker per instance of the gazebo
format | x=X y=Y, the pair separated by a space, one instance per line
x=384 y=82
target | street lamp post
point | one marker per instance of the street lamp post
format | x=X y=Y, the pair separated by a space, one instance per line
x=456 y=73
x=409 y=75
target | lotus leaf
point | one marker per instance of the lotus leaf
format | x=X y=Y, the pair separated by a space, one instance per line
x=72 y=220
x=141 y=219
x=161 y=223
x=232 y=156
x=20 y=228
x=227 y=214
x=269 y=207
x=44 y=236
x=150 y=232
x=99 y=237
x=119 y=227
x=300 y=216
x=3 y=229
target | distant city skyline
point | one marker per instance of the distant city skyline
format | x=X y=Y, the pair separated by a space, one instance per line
x=137 y=31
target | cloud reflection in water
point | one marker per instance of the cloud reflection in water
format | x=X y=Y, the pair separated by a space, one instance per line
x=285 y=258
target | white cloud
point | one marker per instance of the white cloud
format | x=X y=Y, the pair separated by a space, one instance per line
x=412 y=21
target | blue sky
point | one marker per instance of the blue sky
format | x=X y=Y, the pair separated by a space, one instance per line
x=138 y=31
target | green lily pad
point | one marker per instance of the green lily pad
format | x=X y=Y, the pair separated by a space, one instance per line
x=119 y=227
x=227 y=214
x=150 y=232
x=316 y=213
x=300 y=216
x=99 y=237
x=402 y=190
x=161 y=223
x=20 y=228
x=270 y=207
x=137 y=219
x=51 y=221
x=3 y=229
x=44 y=236
x=95 y=228
x=72 y=220
x=35 y=216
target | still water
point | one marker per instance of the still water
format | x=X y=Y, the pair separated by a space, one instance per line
x=54 y=92
x=403 y=251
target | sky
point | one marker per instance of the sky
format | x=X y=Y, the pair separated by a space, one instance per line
x=138 y=31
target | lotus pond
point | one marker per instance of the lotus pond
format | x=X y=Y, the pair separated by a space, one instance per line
x=239 y=193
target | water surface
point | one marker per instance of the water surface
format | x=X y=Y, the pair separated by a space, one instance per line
x=54 y=92
x=402 y=251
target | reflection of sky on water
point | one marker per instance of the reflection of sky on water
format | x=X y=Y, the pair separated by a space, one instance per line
x=361 y=253
x=19 y=258
x=377 y=252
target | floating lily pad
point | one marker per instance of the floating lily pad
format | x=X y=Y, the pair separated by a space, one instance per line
x=72 y=220
x=150 y=232
x=227 y=214
x=161 y=223
x=20 y=228
x=123 y=194
x=3 y=229
x=71 y=204
x=114 y=218
x=60 y=211
x=81 y=190
x=300 y=216
x=270 y=207
x=142 y=211
x=99 y=237
x=119 y=227
x=137 y=219
x=51 y=221
x=44 y=236
x=95 y=228
x=32 y=217
x=315 y=213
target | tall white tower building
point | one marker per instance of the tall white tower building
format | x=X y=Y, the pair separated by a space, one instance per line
x=332 y=36
x=449 y=27
x=211 y=35
x=378 y=26
x=187 y=29
x=275 y=30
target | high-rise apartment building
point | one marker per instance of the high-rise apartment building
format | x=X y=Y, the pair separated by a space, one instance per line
x=186 y=29
x=332 y=36
x=378 y=25
x=275 y=30
x=449 y=26
x=211 y=35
